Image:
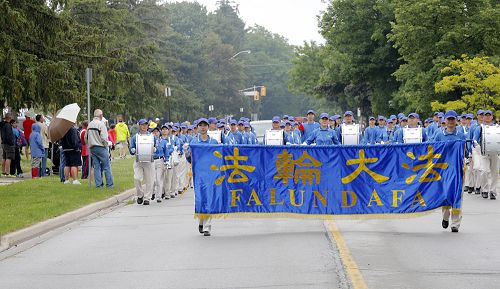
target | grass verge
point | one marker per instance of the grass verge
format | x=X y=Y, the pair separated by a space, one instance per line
x=34 y=200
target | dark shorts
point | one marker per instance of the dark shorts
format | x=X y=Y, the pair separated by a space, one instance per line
x=9 y=152
x=72 y=158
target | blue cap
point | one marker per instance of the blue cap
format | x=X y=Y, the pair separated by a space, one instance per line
x=404 y=118
x=390 y=120
x=190 y=127
x=246 y=124
x=450 y=114
x=323 y=115
x=426 y=120
x=212 y=120
x=164 y=126
x=443 y=120
x=285 y=116
x=142 y=121
x=441 y=115
x=332 y=117
x=276 y=119
x=288 y=122
x=219 y=125
x=401 y=115
x=291 y=118
x=241 y=122
x=183 y=126
x=381 y=117
x=195 y=122
x=469 y=115
x=488 y=112
x=311 y=111
x=371 y=118
x=175 y=128
x=348 y=113
x=233 y=122
x=393 y=116
x=222 y=121
x=414 y=114
x=282 y=124
x=480 y=112
x=202 y=120
x=437 y=113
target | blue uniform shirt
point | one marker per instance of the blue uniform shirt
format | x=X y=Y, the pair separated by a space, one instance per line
x=233 y=138
x=323 y=137
x=309 y=128
x=370 y=135
x=292 y=138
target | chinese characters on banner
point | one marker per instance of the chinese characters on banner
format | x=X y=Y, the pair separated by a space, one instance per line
x=329 y=180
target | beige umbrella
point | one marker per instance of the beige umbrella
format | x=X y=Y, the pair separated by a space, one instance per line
x=64 y=120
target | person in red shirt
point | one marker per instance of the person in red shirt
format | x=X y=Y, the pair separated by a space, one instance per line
x=27 y=128
x=85 y=151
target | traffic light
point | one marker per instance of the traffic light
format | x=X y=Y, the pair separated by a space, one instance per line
x=263 y=91
x=256 y=96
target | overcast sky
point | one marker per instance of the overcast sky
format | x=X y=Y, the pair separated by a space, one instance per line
x=294 y=19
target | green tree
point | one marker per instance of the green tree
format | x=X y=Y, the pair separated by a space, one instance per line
x=474 y=83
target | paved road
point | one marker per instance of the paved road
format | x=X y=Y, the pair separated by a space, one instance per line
x=418 y=253
x=159 y=247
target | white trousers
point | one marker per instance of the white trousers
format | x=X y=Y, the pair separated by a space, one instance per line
x=456 y=217
x=159 y=168
x=143 y=172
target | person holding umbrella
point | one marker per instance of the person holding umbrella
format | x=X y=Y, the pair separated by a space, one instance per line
x=72 y=148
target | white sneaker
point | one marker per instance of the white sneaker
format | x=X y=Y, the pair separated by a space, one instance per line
x=76 y=182
x=67 y=182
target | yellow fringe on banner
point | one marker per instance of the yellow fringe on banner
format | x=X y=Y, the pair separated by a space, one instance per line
x=319 y=216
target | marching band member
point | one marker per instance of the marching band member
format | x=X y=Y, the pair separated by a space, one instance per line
x=476 y=154
x=382 y=136
x=167 y=164
x=488 y=164
x=205 y=225
x=370 y=134
x=250 y=136
x=431 y=129
x=349 y=128
x=390 y=130
x=291 y=136
x=451 y=133
x=233 y=137
x=160 y=155
x=323 y=135
x=412 y=123
x=310 y=125
x=295 y=127
x=143 y=169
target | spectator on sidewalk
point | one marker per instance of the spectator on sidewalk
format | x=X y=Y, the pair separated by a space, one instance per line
x=37 y=150
x=20 y=142
x=8 y=144
x=97 y=140
x=72 y=148
x=44 y=132
x=85 y=150
x=122 y=137
x=27 y=127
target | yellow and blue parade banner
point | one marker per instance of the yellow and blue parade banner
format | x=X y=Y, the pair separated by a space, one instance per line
x=325 y=181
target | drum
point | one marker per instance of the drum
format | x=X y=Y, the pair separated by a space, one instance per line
x=490 y=140
x=274 y=137
x=216 y=135
x=145 y=148
x=350 y=134
x=412 y=134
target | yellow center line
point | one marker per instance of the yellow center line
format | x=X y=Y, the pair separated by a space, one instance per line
x=357 y=280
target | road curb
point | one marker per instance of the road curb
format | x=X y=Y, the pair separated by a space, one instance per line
x=17 y=237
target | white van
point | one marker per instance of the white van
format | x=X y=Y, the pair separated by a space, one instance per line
x=260 y=127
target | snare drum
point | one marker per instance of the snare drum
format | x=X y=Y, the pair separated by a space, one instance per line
x=216 y=135
x=274 y=137
x=412 y=134
x=350 y=134
x=145 y=145
x=490 y=140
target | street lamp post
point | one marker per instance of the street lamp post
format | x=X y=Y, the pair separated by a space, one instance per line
x=244 y=51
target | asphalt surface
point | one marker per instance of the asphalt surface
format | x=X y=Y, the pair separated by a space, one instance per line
x=136 y=246
x=158 y=246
